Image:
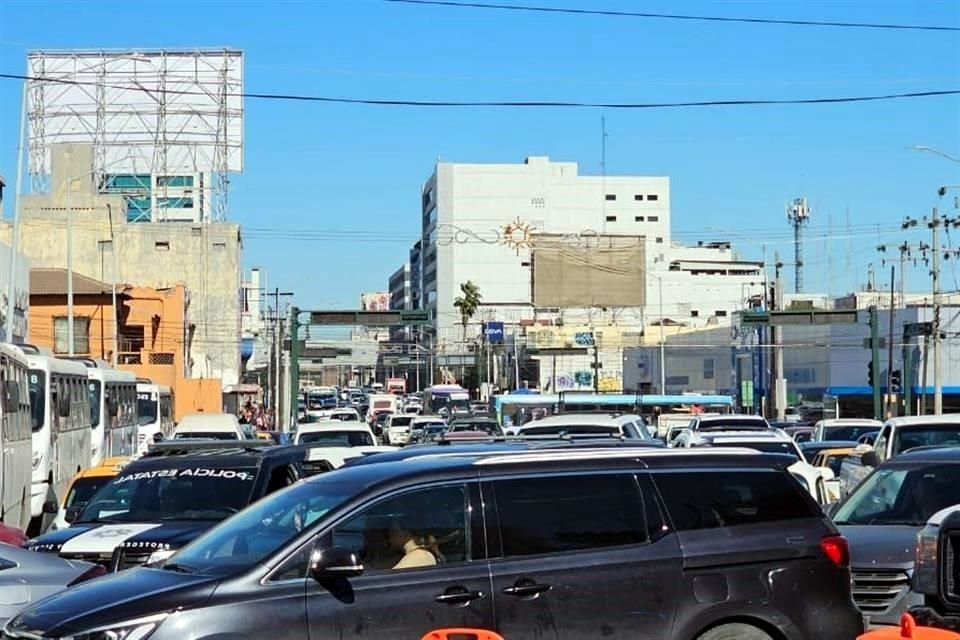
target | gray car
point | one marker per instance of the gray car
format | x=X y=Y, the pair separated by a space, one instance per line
x=28 y=576
x=881 y=519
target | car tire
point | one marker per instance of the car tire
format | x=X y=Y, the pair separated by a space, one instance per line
x=735 y=631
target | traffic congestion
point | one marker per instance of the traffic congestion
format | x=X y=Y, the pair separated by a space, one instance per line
x=524 y=514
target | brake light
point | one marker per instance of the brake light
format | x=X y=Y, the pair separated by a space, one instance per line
x=837 y=549
x=93 y=572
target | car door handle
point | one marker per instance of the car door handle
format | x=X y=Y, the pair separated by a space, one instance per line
x=458 y=597
x=527 y=590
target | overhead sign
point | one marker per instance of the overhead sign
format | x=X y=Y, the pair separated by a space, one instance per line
x=493 y=331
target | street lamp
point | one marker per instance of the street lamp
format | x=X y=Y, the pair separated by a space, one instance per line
x=923 y=147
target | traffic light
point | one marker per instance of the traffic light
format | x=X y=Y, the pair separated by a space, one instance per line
x=870 y=374
x=896 y=381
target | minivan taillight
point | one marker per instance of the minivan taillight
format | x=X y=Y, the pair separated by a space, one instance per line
x=837 y=549
x=93 y=572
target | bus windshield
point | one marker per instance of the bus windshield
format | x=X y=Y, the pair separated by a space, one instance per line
x=38 y=397
x=93 y=391
x=146 y=408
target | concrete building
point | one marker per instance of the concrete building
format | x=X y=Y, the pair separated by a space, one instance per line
x=108 y=248
x=543 y=242
x=15 y=300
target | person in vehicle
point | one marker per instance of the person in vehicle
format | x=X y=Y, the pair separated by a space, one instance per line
x=418 y=551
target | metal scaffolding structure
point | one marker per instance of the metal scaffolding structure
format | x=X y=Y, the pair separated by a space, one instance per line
x=158 y=112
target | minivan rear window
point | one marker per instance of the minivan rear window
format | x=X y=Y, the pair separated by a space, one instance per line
x=711 y=499
x=569 y=513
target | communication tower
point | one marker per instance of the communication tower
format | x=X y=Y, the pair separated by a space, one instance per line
x=798 y=215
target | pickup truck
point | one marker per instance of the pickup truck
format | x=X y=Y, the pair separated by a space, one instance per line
x=937 y=573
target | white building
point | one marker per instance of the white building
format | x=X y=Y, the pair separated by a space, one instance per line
x=482 y=222
x=14 y=311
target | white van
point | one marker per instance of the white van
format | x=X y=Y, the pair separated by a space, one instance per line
x=212 y=426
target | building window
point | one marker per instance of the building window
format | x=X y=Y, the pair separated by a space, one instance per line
x=220 y=246
x=720 y=313
x=694 y=313
x=611 y=218
x=81 y=334
x=105 y=245
x=611 y=197
x=708 y=369
x=638 y=218
x=161 y=246
x=653 y=218
x=638 y=197
x=174 y=181
x=659 y=240
x=653 y=197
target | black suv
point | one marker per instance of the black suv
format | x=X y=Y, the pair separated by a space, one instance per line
x=171 y=495
x=612 y=543
x=937 y=575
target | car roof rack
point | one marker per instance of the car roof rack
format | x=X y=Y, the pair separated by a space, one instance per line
x=187 y=446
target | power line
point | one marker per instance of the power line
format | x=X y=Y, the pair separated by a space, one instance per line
x=675 y=16
x=385 y=102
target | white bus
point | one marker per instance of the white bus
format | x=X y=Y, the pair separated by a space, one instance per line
x=60 y=418
x=113 y=411
x=15 y=439
x=154 y=413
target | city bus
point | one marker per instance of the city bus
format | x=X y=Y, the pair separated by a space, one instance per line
x=113 y=410
x=516 y=409
x=451 y=399
x=656 y=409
x=15 y=438
x=60 y=421
x=154 y=414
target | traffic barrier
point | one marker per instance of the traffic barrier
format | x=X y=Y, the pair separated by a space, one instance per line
x=473 y=634
x=908 y=630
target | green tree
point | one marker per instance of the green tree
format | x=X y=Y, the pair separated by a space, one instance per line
x=468 y=303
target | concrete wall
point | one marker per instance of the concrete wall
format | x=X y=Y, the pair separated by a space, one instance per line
x=205 y=258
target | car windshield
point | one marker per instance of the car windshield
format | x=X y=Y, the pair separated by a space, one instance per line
x=925 y=436
x=147 y=406
x=338 y=438
x=83 y=489
x=847 y=432
x=401 y=421
x=93 y=393
x=346 y=416
x=260 y=530
x=194 y=492
x=901 y=495
x=728 y=423
x=205 y=435
x=490 y=428
x=574 y=429
x=38 y=397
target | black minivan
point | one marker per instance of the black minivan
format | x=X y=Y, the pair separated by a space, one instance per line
x=581 y=544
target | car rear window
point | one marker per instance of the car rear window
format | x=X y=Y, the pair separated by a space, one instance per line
x=711 y=499
x=569 y=513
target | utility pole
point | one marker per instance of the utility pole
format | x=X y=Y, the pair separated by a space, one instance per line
x=294 y=364
x=891 y=399
x=779 y=384
x=875 y=361
x=937 y=383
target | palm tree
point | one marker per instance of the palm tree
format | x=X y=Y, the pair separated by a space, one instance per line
x=468 y=303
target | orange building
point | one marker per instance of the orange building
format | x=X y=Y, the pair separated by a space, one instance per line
x=153 y=332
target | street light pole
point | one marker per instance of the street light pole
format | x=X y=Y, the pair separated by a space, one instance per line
x=663 y=348
x=69 y=270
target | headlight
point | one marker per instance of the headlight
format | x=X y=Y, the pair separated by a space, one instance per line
x=37 y=459
x=159 y=556
x=925 y=566
x=133 y=630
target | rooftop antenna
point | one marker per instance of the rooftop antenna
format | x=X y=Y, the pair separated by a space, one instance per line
x=798 y=215
x=603 y=168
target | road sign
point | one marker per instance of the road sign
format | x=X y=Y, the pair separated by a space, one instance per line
x=369 y=318
x=755 y=317
x=915 y=329
x=416 y=316
x=493 y=332
x=784 y=318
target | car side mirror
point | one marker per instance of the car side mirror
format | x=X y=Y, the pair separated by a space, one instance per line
x=50 y=506
x=72 y=513
x=870 y=459
x=334 y=562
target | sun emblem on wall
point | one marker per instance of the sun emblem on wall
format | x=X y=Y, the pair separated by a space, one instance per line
x=516 y=235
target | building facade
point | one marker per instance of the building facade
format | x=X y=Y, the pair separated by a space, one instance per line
x=14 y=294
x=205 y=258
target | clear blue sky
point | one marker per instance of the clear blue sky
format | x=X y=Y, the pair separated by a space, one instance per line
x=320 y=168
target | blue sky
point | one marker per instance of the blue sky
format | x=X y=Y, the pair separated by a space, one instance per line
x=338 y=168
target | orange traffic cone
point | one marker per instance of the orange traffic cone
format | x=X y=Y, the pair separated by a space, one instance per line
x=476 y=634
x=908 y=630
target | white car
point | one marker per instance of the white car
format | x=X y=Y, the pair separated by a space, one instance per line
x=212 y=426
x=343 y=414
x=320 y=459
x=844 y=428
x=627 y=426
x=336 y=433
x=818 y=481
x=397 y=430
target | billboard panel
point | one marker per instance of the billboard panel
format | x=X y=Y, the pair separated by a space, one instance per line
x=143 y=111
x=609 y=271
x=375 y=301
